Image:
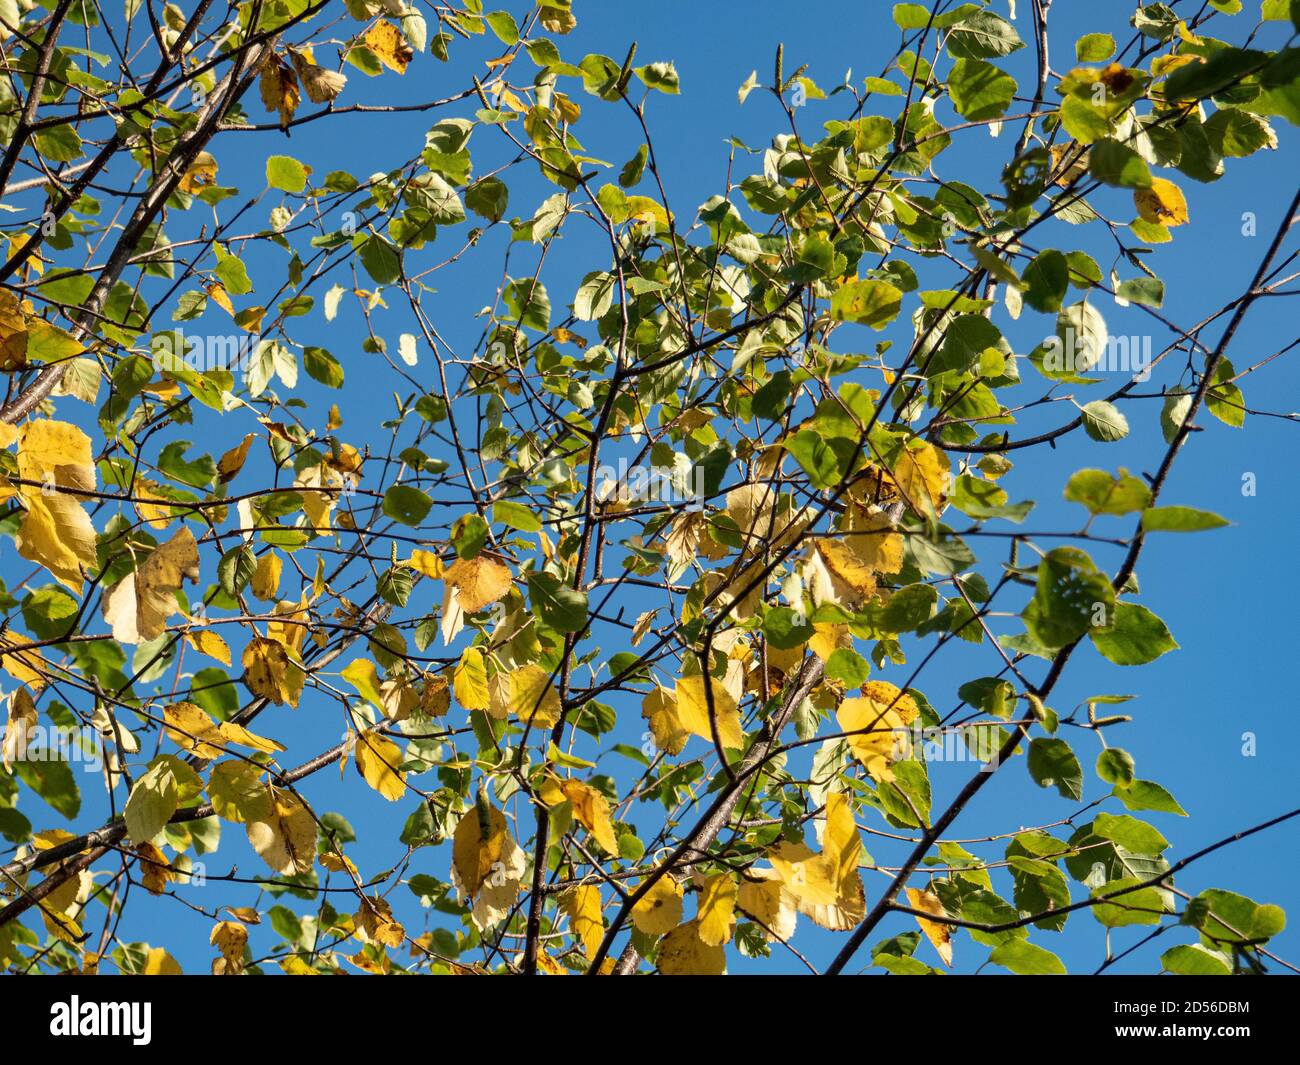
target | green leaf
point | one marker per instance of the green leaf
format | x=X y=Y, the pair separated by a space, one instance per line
x=1192 y=959
x=1118 y=164
x=983 y=35
x=52 y=779
x=1047 y=279
x=1103 y=421
x=488 y=198
x=381 y=260
x=1072 y=597
x=1136 y=636
x=1094 y=47
x=1115 y=766
x=1027 y=959
x=1052 y=763
x=1148 y=795
x=285 y=172
x=516 y=515
x=323 y=367
x=979 y=90
x=1103 y=493
x=1180 y=519
x=152 y=801
x=559 y=606
x=848 y=667
x=1148 y=291
x=235 y=569
x=1130 y=833
x=406 y=504
x=873 y=303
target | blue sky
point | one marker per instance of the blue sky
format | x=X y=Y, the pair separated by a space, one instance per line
x=1219 y=591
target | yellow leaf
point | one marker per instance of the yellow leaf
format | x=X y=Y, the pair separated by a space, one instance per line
x=233 y=460
x=582 y=904
x=230 y=938
x=659 y=708
x=323 y=86
x=660 y=910
x=155 y=870
x=683 y=953
x=375 y=924
x=387 y=42
x=13 y=334
x=192 y=730
x=427 y=563
x=487 y=864
x=139 y=605
x=827 y=886
x=693 y=711
x=879 y=720
x=279 y=88
x=938 y=933
x=591 y=808
x=269 y=673
x=478 y=582
x=238 y=793
x=532 y=697
x=209 y=643
x=22 y=719
x=377 y=758
x=469 y=680
x=201 y=174
x=157 y=962
x=1163 y=203
x=286 y=837
x=717 y=910
x=56 y=532
x=217 y=293
x=770 y=904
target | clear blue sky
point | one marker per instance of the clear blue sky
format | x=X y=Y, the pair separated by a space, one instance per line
x=1223 y=593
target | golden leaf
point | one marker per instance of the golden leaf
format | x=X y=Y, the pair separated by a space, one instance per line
x=279 y=88
x=469 y=680
x=269 y=672
x=938 y=933
x=138 y=606
x=56 y=532
x=323 y=86
x=717 y=910
x=586 y=920
x=533 y=698
x=22 y=719
x=693 y=711
x=155 y=870
x=209 y=643
x=266 y=577
x=659 y=708
x=478 y=582
x=200 y=174
x=230 y=938
x=1163 y=203
x=591 y=808
x=377 y=758
x=286 y=838
x=388 y=44
x=233 y=460
x=683 y=953
x=883 y=713
x=660 y=909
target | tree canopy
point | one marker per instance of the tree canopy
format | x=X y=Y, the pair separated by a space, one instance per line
x=662 y=594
